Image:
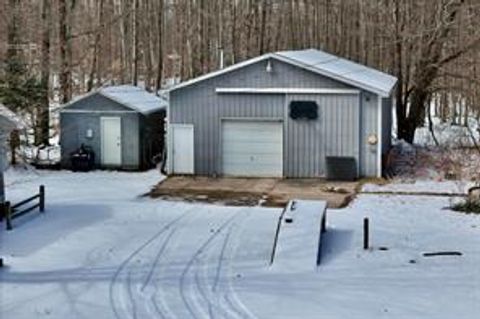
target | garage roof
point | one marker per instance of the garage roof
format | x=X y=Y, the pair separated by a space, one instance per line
x=323 y=63
x=133 y=97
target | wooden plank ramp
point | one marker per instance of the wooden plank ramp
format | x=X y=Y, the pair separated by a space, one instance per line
x=297 y=244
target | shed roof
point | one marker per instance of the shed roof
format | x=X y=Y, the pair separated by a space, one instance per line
x=323 y=63
x=133 y=97
x=8 y=119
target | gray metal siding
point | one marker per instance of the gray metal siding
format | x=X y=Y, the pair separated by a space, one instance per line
x=334 y=133
x=207 y=122
x=283 y=75
x=96 y=102
x=73 y=133
x=342 y=129
x=369 y=125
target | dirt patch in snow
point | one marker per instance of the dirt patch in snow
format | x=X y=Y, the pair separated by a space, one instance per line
x=270 y=192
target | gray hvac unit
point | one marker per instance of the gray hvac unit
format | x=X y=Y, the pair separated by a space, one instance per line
x=341 y=168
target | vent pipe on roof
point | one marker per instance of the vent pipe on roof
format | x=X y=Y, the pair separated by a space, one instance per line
x=269 y=67
x=221 y=58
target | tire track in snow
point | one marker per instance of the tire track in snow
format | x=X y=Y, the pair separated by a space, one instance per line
x=156 y=260
x=159 y=295
x=130 y=295
x=191 y=263
x=228 y=292
x=216 y=300
x=158 y=310
x=219 y=295
x=117 y=310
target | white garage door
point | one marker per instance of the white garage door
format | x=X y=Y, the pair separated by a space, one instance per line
x=252 y=148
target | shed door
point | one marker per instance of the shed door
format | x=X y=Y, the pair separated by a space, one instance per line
x=111 y=139
x=182 y=148
x=252 y=148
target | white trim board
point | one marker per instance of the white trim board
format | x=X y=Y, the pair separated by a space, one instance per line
x=285 y=91
x=97 y=111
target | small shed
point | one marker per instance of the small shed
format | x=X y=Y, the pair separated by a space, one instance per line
x=123 y=125
x=8 y=122
x=294 y=114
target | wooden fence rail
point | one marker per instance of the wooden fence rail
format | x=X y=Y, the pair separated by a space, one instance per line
x=14 y=211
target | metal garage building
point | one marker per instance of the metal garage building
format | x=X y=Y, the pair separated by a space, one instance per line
x=281 y=115
x=124 y=125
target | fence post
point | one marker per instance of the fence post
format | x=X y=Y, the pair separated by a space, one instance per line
x=8 y=215
x=42 y=198
x=366 y=234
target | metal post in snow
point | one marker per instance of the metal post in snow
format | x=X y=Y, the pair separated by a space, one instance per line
x=42 y=198
x=366 y=234
x=8 y=215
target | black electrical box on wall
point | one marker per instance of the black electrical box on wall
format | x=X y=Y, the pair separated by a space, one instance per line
x=307 y=110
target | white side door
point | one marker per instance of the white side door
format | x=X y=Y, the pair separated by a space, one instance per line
x=111 y=141
x=182 y=148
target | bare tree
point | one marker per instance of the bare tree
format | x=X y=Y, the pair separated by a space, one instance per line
x=43 y=131
x=65 y=74
x=430 y=46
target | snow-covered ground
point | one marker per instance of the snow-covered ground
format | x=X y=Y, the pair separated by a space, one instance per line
x=103 y=251
x=448 y=134
x=421 y=186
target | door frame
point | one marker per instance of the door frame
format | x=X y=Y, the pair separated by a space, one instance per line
x=171 y=148
x=102 y=148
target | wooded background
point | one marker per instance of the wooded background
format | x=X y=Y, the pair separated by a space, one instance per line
x=51 y=50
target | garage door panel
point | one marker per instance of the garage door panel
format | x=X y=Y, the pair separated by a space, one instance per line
x=266 y=159
x=252 y=148
x=247 y=135
x=256 y=148
x=262 y=170
x=242 y=137
x=251 y=125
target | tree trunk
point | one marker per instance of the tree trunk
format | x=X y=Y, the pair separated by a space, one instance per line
x=63 y=42
x=43 y=130
x=135 y=44
x=416 y=114
x=158 y=84
x=95 y=66
x=263 y=23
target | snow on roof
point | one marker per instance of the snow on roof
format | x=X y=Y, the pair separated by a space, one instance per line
x=8 y=119
x=343 y=70
x=323 y=63
x=135 y=98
